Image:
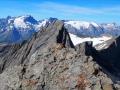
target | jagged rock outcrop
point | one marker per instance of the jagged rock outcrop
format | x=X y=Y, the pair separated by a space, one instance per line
x=50 y=61
x=49 y=36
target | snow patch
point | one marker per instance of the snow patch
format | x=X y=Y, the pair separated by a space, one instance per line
x=77 y=40
x=101 y=46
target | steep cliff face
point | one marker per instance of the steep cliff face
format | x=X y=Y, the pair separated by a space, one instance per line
x=50 y=61
x=109 y=57
x=50 y=35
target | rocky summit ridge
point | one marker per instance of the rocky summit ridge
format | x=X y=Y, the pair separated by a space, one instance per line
x=50 y=61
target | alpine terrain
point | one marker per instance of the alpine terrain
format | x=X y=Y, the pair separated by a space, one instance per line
x=54 y=54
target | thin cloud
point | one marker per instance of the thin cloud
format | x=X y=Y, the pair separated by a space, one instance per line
x=67 y=8
x=71 y=9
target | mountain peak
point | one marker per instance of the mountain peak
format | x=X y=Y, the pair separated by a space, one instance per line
x=24 y=21
x=79 y=24
x=26 y=26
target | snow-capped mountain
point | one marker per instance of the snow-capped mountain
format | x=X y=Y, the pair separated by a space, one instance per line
x=23 y=22
x=97 y=41
x=44 y=22
x=82 y=31
x=92 y=29
x=18 y=29
x=111 y=29
x=85 y=29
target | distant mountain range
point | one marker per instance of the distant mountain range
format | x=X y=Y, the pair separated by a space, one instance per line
x=21 y=28
x=92 y=29
x=55 y=59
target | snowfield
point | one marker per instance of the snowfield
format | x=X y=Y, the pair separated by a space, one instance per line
x=77 y=40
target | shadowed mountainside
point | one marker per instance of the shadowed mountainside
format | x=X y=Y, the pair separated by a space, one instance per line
x=109 y=58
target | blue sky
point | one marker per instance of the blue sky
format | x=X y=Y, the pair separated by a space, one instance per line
x=87 y=10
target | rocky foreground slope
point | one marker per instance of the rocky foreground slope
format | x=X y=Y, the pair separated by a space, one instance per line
x=50 y=61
